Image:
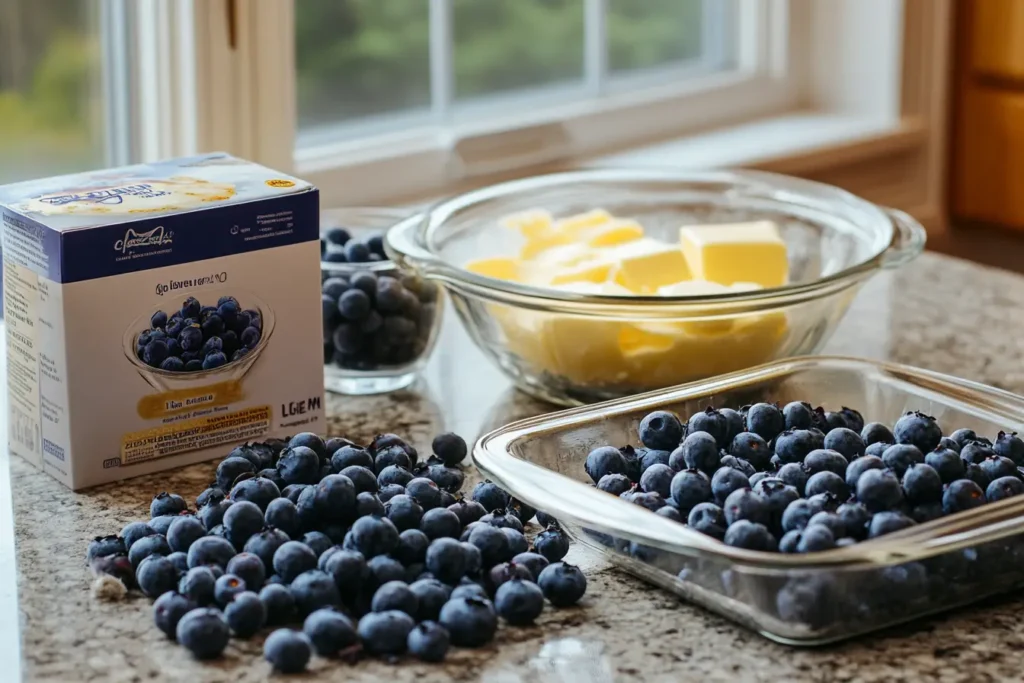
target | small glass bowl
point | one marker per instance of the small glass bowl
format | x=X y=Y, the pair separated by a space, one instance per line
x=386 y=350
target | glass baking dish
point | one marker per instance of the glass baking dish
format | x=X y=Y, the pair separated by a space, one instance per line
x=794 y=599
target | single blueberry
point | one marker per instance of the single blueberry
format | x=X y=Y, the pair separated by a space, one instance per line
x=183 y=532
x=292 y=559
x=750 y=535
x=888 y=522
x=689 y=488
x=314 y=589
x=660 y=430
x=1003 y=488
x=744 y=504
x=917 y=429
x=211 y=550
x=947 y=463
x=795 y=445
x=658 y=479
x=197 y=584
x=996 y=466
x=827 y=482
x=428 y=641
x=712 y=422
x=846 y=442
x=798 y=415
x=385 y=633
x=203 y=632
x=795 y=475
x=709 y=519
x=278 y=603
x=599 y=462
x=552 y=543
x=329 y=631
x=472 y=622
x=133 y=531
x=900 y=457
x=167 y=504
x=855 y=518
x=168 y=610
x=699 y=451
x=798 y=513
x=519 y=602
x=154 y=544
x=299 y=465
x=725 y=481
x=922 y=484
x=1009 y=445
x=765 y=420
x=156 y=575
x=492 y=497
x=752 y=448
x=879 y=490
x=404 y=512
x=875 y=432
x=825 y=460
x=960 y=495
x=391 y=456
x=442 y=522
x=245 y=614
x=815 y=538
x=287 y=651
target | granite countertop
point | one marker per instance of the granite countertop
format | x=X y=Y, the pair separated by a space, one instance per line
x=939 y=313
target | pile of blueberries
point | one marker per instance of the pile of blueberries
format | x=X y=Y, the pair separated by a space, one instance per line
x=370 y=550
x=372 y=319
x=198 y=337
x=338 y=246
x=799 y=479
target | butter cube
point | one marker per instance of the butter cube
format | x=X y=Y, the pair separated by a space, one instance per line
x=573 y=225
x=645 y=265
x=613 y=233
x=530 y=224
x=588 y=271
x=564 y=255
x=737 y=252
x=498 y=268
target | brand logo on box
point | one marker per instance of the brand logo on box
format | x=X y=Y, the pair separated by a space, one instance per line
x=136 y=240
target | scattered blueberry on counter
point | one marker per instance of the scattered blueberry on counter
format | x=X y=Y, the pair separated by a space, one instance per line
x=311 y=545
x=777 y=484
x=198 y=337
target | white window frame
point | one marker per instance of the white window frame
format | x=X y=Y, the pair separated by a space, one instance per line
x=259 y=73
x=836 y=60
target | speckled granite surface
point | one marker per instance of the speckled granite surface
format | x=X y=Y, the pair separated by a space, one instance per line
x=938 y=313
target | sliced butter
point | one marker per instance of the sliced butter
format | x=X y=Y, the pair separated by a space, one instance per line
x=530 y=224
x=645 y=265
x=613 y=233
x=498 y=268
x=736 y=252
x=575 y=224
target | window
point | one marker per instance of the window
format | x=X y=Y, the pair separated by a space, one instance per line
x=422 y=93
x=387 y=100
x=56 y=62
x=365 y=66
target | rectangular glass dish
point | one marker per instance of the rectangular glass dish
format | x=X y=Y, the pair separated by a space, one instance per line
x=806 y=599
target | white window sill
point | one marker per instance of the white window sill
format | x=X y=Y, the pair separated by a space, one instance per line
x=772 y=142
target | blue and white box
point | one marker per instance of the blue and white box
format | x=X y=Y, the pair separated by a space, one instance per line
x=158 y=314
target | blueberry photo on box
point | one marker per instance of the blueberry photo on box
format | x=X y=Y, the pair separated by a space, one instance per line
x=197 y=333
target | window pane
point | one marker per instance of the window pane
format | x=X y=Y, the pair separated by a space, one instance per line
x=648 y=33
x=503 y=45
x=51 y=94
x=359 y=58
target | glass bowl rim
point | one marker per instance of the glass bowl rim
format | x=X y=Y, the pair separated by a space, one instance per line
x=898 y=240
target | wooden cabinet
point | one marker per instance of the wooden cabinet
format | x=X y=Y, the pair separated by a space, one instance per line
x=988 y=131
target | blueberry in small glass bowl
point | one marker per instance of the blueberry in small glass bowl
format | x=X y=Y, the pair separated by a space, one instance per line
x=216 y=334
x=380 y=321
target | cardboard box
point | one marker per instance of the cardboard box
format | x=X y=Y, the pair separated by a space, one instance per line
x=102 y=275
